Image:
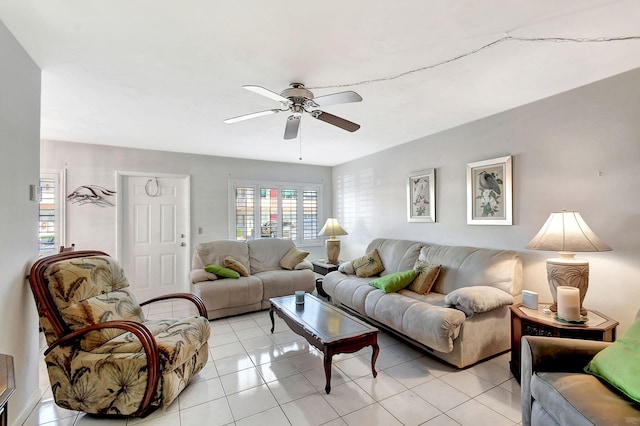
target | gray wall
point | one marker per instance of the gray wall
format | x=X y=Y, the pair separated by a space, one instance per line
x=93 y=227
x=575 y=151
x=19 y=168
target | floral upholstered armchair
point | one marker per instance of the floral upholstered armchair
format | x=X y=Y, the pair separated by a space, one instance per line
x=103 y=356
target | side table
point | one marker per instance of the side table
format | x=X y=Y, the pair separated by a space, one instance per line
x=7 y=386
x=531 y=322
x=323 y=269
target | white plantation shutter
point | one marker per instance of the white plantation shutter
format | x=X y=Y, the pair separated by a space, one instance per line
x=275 y=210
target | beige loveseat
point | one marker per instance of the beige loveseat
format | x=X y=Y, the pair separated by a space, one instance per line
x=267 y=279
x=465 y=316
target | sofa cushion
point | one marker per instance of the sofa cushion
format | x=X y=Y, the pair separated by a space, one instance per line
x=433 y=326
x=478 y=299
x=292 y=258
x=236 y=265
x=396 y=255
x=92 y=290
x=427 y=275
x=283 y=282
x=226 y=293
x=619 y=363
x=265 y=253
x=221 y=271
x=472 y=266
x=393 y=282
x=200 y=275
x=368 y=265
x=577 y=398
x=110 y=306
x=214 y=252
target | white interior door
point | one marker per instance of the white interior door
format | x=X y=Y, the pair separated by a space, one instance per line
x=154 y=241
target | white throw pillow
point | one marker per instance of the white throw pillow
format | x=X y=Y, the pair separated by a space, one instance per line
x=478 y=299
x=347 y=268
x=200 y=275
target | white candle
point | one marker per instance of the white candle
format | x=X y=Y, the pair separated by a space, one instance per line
x=299 y=297
x=568 y=303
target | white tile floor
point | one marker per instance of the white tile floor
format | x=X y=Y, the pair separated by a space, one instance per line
x=254 y=377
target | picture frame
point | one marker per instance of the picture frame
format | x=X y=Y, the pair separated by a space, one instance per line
x=489 y=192
x=421 y=196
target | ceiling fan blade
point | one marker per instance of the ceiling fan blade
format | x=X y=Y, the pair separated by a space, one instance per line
x=266 y=92
x=252 y=115
x=293 y=124
x=335 y=120
x=337 y=98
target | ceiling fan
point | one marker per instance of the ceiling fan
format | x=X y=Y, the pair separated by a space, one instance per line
x=298 y=100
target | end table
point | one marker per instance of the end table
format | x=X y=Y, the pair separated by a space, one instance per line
x=535 y=322
x=322 y=269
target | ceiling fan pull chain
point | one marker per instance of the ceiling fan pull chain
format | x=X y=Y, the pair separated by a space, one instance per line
x=300 y=142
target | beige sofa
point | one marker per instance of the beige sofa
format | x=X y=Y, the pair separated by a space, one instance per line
x=228 y=296
x=465 y=317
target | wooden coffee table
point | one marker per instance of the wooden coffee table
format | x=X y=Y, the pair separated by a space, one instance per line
x=326 y=327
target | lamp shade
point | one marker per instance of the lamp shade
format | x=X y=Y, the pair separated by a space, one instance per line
x=567 y=232
x=332 y=228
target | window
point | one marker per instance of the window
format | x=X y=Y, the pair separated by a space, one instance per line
x=275 y=210
x=51 y=213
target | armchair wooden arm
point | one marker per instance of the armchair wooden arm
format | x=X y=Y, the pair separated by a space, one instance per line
x=148 y=344
x=202 y=309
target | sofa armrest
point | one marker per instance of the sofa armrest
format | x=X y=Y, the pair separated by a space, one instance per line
x=540 y=353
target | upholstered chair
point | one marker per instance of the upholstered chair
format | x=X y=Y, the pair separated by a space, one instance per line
x=103 y=355
x=557 y=391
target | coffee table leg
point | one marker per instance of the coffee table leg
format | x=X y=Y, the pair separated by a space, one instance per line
x=273 y=323
x=327 y=370
x=374 y=357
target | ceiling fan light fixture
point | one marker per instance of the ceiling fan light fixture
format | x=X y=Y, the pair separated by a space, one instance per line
x=293 y=124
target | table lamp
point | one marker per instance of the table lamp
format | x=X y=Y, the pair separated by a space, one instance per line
x=566 y=232
x=332 y=228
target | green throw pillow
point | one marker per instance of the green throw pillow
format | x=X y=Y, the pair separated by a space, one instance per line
x=221 y=271
x=619 y=363
x=394 y=282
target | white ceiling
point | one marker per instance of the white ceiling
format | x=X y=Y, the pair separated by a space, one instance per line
x=164 y=75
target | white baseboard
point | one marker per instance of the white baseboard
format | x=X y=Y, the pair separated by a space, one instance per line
x=28 y=408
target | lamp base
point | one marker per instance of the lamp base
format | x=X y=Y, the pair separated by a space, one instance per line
x=568 y=272
x=333 y=250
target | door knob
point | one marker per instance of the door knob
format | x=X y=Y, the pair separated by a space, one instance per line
x=182 y=244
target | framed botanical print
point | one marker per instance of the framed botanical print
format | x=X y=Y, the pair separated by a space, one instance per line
x=489 y=192
x=421 y=196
